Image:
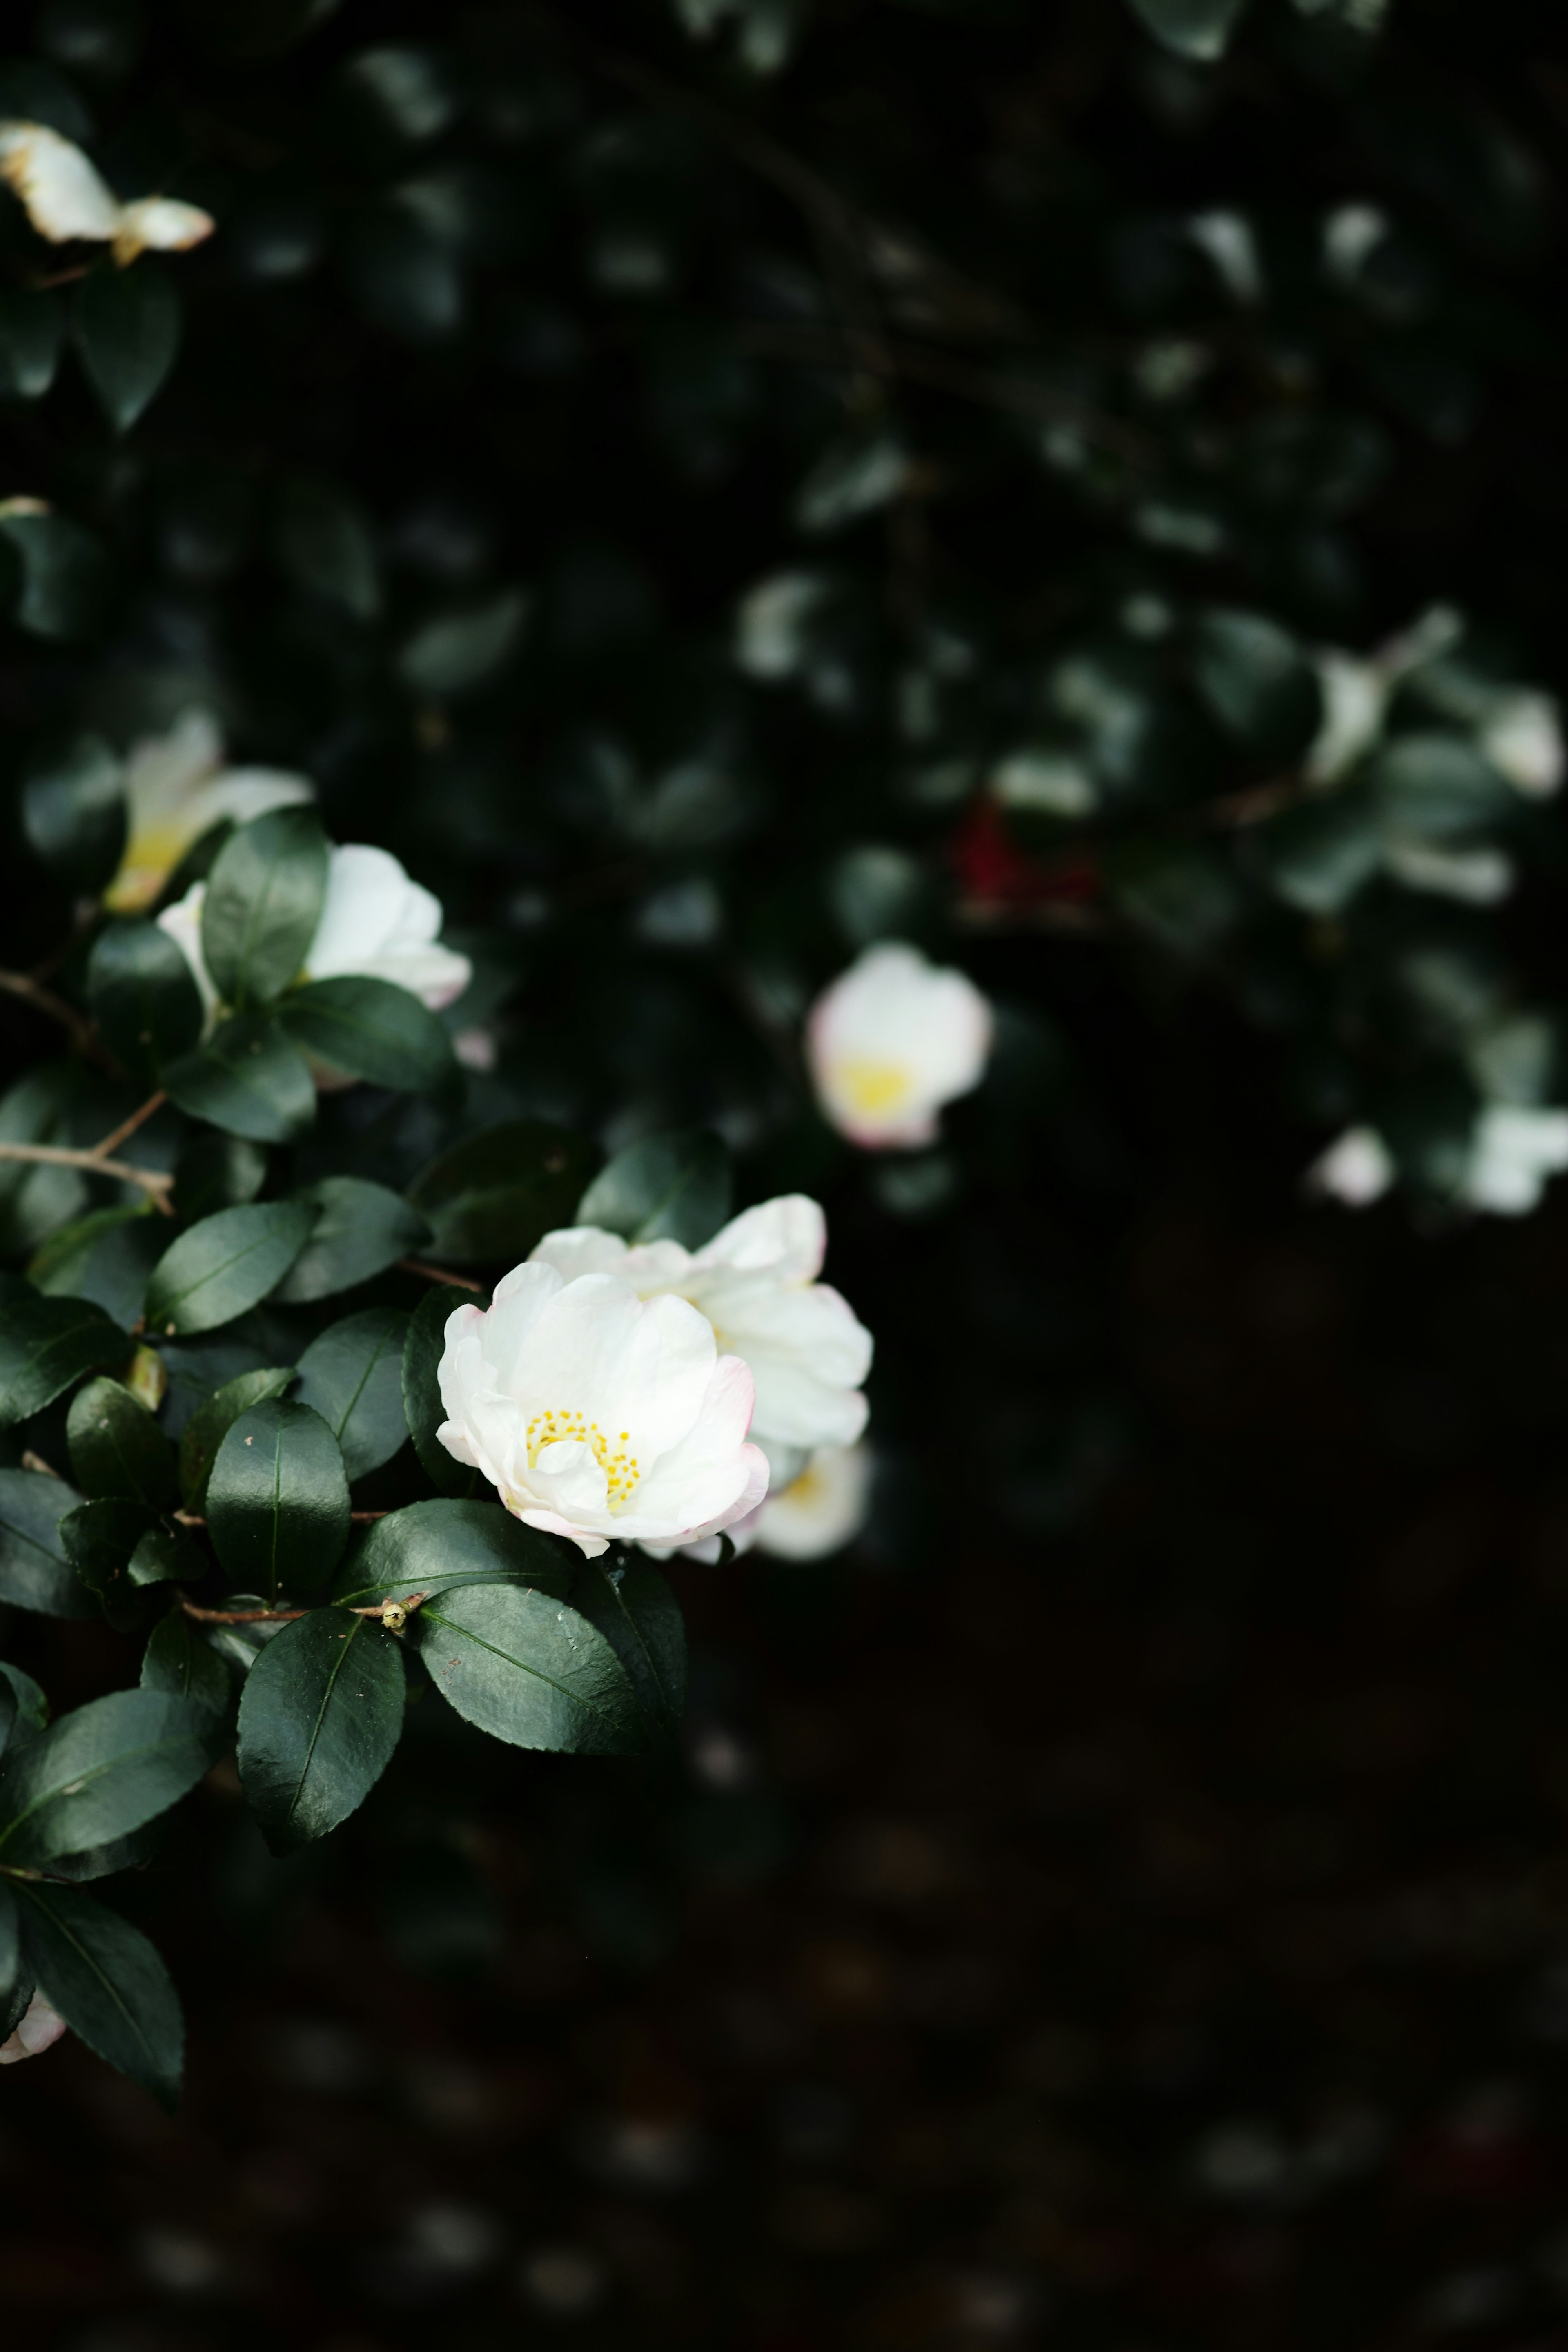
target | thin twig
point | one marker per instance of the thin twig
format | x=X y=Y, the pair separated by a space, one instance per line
x=129 y=1126
x=288 y=1616
x=437 y=1274
x=194 y=1518
x=54 y=1155
x=31 y=1461
x=44 y=999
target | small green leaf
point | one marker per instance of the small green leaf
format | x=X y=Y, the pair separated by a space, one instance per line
x=127 y=330
x=517 y=1663
x=1257 y=682
x=372 y=1030
x=108 y=1983
x=98 y=1773
x=239 y=1646
x=105 y=1257
x=434 y=1547
x=217 y=1172
x=319 y=1718
x=224 y=1265
x=99 y=1539
x=668 y=1188
x=211 y=1423
x=352 y=1376
x=249 y=1079
x=166 y=1555
x=32 y=330
x=15 y=2006
x=361 y=1229
x=73 y=812
x=491 y=1197
x=30 y=1709
x=1318 y=855
x=639 y=1615
x=262 y=906
x=117 y=1448
x=61 y=572
x=143 y=998
x=277 y=1499
x=1438 y=787
x=178 y=1662
x=36 y=1571
x=45 y=1344
x=324 y=543
x=422 y=1352
x=460 y=650
x=1192 y=28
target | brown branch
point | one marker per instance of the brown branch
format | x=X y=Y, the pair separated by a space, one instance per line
x=381 y=1609
x=438 y=1273
x=129 y=1126
x=54 y=1155
x=194 y=1518
x=44 y=999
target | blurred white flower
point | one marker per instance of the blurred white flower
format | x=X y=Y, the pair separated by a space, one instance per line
x=66 y=198
x=599 y=1415
x=176 y=788
x=772 y=621
x=756 y=1283
x=375 y=922
x=1354 y=697
x=1512 y=1153
x=1229 y=243
x=1357 y=1169
x=39 y=2027
x=821 y=1511
x=1523 y=737
x=1478 y=878
x=892 y=1040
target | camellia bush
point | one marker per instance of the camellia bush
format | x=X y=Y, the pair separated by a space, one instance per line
x=622 y=623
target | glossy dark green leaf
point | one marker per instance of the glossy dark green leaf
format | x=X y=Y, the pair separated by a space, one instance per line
x=372 y=1030
x=319 y=1718
x=1438 y=787
x=14 y=2006
x=521 y=1664
x=143 y=998
x=132 y=1851
x=1192 y=28
x=127 y=326
x=361 y=1229
x=45 y=1344
x=117 y=1448
x=249 y=1079
x=674 y=1188
x=58 y=573
x=73 y=812
x=36 y=1571
x=436 y=1545
x=32 y=330
x=324 y=542
x=239 y=1646
x=100 y=1539
x=211 y=1423
x=98 y=1773
x=29 y=1707
x=108 y=1983
x=491 y=1198
x=224 y=1265
x=105 y=1256
x=166 y=1555
x=458 y=651
x=181 y=1664
x=352 y=1376
x=263 y=902
x=1257 y=682
x=217 y=1172
x=277 y=1499
x=1318 y=855
x=639 y=1615
x=422 y=1408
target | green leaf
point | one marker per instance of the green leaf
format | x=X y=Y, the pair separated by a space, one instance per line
x=1438 y=787
x=108 y=1983
x=211 y=1423
x=35 y=1571
x=262 y=906
x=15 y=2006
x=324 y=543
x=224 y=1265
x=372 y=1030
x=99 y=1539
x=673 y=1188
x=460 y=650
x=434 y=1547
x=105 y=1257
x=494 y=1195
x=98 y=1773
x=1257 y=682
x=217 y=1172
x=520 y=1664
x=73 y=812
x=319 y=1718
x=117 y=1447
x=249 y=1079
x=178 y=1662
x=60 y=574
x=352 y=1376
x=239 y=1646
x=361 y=1229
x=635 y=1609
x=166 y=1555
x=422 y=1352
x=1321 y=853
x=30 y=1709
x=1192 y=28
x=127 y=330
x=10 y=1946
x=32 y=329
x=143 y=998
x=45 y=1344
x=277 y=1499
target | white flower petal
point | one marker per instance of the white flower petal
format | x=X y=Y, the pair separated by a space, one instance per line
x=821 y=1510
x=375 y=921
x=892 y=1040
x=182 y=923
x=65 y=197
x=39 y=2027
x=160 y=223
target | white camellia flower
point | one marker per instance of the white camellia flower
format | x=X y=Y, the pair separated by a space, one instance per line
x=66 y=198
x=1357 y=1169
x=599 y=1415
x=1521 y=735
x=36 y=2031
x=177 y=787
x=1512 y=1152
x=375 y=923
x=821 y=1511
x=892 y=1040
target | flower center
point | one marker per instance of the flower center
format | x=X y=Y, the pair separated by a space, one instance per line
x=867 y=1084
x=621 y=1469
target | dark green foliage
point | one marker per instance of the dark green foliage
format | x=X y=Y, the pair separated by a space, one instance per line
x=128 y=330
x=435 y=1547
x=520 y=1664
x=211 y=1423
x=632 y=1606
x=319 y=1719
x=108 y=1983
x=277 y=1499
x=178 y=1661
x=491 y=1198
x=36 y=1571
x=263 y=902
x=248 y=1078
x=372 y=1030
x=73 y=809
x=224 y=1265
x=674 y=1188
x=144 y=999
x=45 y=1345
x=360 y=1230
x=117 y=1448
x=422 y=1408
x=352 y=1376
x=97 y=1774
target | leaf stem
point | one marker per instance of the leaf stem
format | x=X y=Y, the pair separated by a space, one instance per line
x=129 y=1126
x=53 y=1155
x=44 y=999
x=437 y=1274
x=289 y=1616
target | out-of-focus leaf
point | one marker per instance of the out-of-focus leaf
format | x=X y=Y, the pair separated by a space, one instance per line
x=324 y=542
x=127 y=330
x=1192 y=28
x=221 y=1267
x=249 y=1079
x=73 y=812
x=263 y=902
x=491 y=1198
x=674 y=1188
x=142 y=997
x=372 y=1030
x=105 y=1257
x=361 y=1229
x=56 y=580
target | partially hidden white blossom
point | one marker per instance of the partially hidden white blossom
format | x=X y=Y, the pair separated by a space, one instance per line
x=1357 y=1168
x=1477 y=877
x=821 y=1509
x=375 y=923
x=599 y=1415
x=177 y=787
x=1521 y=735
x=1513 y=1152
x=892 y=1040
x=37 y=2030
x=66 y=199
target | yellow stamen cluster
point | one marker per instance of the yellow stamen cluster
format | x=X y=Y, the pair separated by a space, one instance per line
x=871 y=1085
x=621 y=1469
